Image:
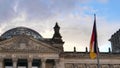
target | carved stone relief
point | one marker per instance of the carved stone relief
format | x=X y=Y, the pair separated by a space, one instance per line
x=24 y=45
x=104 y=66
x=76 y=65
x=116 y=66
x=93 y=66
x=81 y=66
x=69 y=65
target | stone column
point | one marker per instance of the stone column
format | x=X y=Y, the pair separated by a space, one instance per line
x=61 y=63
x=14 y=63
x=1 y=63
x=43 y=63
x=30 y=63
x=56 y=63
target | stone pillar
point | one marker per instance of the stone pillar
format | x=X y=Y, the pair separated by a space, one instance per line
x=56 y=63
x=1 y=63
x=14 y=63
x=43 y=63
x=30 y=63
x=62 y=63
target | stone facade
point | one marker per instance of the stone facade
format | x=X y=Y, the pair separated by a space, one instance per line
x=115 y=41
x=82 y=60
x=19 y=47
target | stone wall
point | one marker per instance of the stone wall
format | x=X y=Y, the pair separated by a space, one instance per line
x=73 y=65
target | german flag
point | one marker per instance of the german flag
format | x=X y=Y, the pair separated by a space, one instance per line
x=93 y=42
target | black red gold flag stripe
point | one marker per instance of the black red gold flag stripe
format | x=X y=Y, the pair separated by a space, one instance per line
x=93 y=41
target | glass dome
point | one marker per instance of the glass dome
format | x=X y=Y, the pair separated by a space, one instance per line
x=21 y=31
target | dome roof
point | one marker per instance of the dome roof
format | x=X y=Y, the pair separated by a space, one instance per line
x=21 y=31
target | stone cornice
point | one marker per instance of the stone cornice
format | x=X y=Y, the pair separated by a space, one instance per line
x=28 y=55
x=84 y=55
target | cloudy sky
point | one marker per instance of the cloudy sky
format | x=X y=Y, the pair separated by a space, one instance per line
x=75 y=17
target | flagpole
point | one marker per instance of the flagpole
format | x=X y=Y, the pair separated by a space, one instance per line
x=98 y=62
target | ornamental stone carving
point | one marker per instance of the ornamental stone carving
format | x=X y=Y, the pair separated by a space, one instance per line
x=81 y=66
x=104 y=66
x=26 y=44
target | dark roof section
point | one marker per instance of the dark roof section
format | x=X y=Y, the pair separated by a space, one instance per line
x=56 y=25
x=21 y=31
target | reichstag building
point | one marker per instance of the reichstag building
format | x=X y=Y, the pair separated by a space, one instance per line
x=22 y=47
